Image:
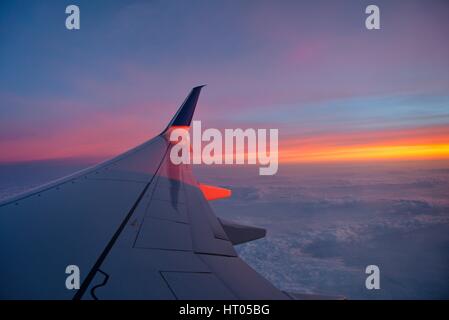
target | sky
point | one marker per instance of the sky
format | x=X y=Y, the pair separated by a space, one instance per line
x=335 y=90
x=338 y=93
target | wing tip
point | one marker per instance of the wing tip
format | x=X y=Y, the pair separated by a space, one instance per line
x=184 y=115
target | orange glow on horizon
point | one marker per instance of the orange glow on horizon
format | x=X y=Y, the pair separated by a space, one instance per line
x=406 y=144
x=367 y=153
x=425 y=143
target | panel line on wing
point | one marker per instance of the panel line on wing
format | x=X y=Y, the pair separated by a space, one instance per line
x=85 y=284
x=168 y=285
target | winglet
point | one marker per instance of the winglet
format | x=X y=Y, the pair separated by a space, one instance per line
x=184 y=116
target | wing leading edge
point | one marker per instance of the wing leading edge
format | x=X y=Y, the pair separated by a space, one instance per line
x=137 y=226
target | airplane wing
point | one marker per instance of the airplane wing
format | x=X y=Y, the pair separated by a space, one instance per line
x=137 y=226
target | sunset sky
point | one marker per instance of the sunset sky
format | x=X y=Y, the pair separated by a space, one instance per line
x=335 y=91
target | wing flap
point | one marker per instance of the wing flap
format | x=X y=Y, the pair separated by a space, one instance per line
x=241 y=279
x=197 y=286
